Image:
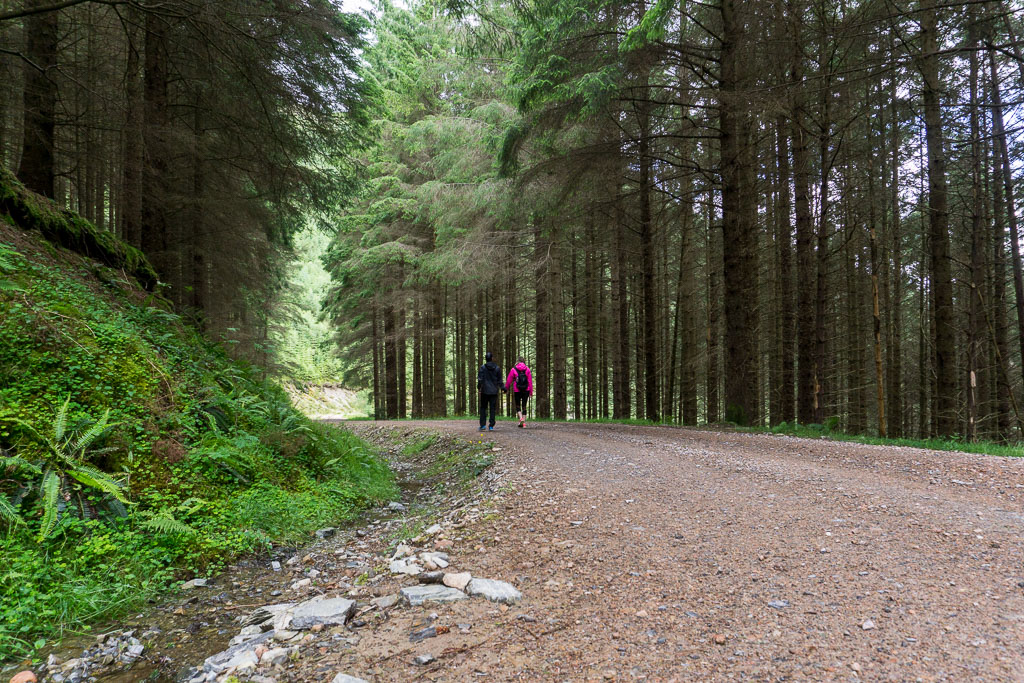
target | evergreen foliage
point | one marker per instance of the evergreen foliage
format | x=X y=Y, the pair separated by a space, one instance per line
x=744 y=212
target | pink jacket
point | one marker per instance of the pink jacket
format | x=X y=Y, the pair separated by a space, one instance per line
x=513 y=374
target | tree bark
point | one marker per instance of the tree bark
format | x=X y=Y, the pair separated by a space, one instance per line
x=942 y=281
x=37 y=170
x=739 y=233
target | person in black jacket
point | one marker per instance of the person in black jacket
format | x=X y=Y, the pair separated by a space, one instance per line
x=488 y=382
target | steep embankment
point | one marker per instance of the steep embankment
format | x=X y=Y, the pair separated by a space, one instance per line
x=134 y=451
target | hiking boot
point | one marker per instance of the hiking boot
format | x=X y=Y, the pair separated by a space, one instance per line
x=482 y=428
x=521 y=424
x=490 y=429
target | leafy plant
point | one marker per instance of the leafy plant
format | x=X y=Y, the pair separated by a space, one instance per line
x=66 y=449
x=8 y=263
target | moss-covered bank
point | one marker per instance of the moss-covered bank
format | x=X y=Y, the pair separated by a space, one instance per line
x=135 y=453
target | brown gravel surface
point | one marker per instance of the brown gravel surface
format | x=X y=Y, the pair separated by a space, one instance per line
x=652 y=553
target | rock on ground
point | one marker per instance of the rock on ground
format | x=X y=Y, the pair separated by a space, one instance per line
x=320 y=611
x=345 y=678
x=495 y=591
x=417 y=595
x=457 y=580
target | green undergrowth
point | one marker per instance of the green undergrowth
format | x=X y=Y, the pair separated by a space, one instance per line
x=134 y=453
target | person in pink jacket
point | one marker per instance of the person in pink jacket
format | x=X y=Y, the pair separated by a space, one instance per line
x=520 y=380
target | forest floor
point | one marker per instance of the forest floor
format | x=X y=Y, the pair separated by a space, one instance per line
x=660 y=554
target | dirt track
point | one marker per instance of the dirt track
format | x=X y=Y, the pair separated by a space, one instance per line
x=668 y=554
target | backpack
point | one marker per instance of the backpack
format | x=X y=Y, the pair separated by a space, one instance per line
x=522 y=381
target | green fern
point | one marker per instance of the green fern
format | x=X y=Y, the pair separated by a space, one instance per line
x=9 y=513
x=164 y=523
x=90 y=476
x=13 y=462
x=51 y=493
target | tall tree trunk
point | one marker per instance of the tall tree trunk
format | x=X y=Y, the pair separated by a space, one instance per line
x=620 y=324
x=894 y=348
x=542 y=379
x=739 y=232
x=942 y=280
x=999 y=133
x=805 y=389
x=650 y=315
x=378 y=394
x=975 y=330
x=155 y=186
x=439 y=405
x=784 y=244
x=390 y=364
x=1000 y=325
x=713 y=333
x=558 y=360
x=131 y=163
x=37 y=170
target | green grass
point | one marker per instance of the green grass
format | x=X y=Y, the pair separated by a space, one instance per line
x=213 y=458
x=419 y=445
x=821 y=432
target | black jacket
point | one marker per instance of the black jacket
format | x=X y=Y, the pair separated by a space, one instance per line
x=488 y=379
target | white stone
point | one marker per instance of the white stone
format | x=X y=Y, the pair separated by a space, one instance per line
x=432 y=530
x=301 y=583
x=457 y=580
x=495 y=591
x=345 y=678
x=279 y=655
x=402 y=567
x=402 y=551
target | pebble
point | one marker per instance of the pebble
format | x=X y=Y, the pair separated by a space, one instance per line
x=194 y=583
x=432 y=530
x=431 y=577
x=424 y=659
x=428 y=632
x=275 y=565
x=24 y=677
x=778 y=604
x=719 y=639
x=868 y=625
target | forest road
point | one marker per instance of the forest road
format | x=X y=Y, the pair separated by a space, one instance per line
x=658 y=553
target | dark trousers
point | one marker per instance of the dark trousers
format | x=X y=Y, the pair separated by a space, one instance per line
x=488 y=400
x=521 y=398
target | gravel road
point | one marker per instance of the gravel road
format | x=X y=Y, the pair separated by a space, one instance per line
x=659 y=553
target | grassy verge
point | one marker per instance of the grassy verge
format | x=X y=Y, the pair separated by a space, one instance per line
x=822 y=432
x=134 y=453
x=803 y=431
